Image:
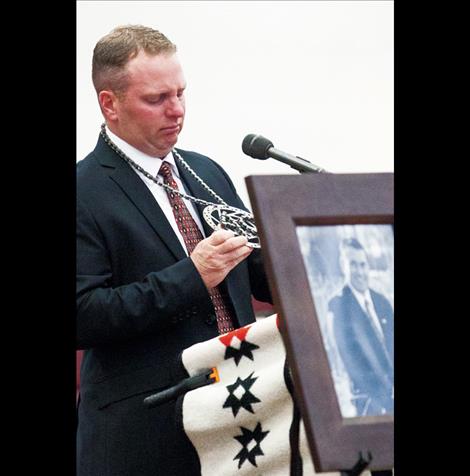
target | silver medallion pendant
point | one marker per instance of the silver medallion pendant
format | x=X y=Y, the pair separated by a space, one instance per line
x=233 y=219
x=217 y=216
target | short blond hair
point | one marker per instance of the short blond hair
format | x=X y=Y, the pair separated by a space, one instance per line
x=117 y=48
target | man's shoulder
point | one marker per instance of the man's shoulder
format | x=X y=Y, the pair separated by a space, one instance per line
x=191 y=154
x=379 y=298
x=92 y=180
x=338 y=298
x=87 y=169
x=196 y=158
x=202 y=164
x=86 y=164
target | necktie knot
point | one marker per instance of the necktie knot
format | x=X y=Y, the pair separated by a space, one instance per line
x=165 y=171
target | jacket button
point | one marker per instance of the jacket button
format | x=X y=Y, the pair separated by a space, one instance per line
x=211 y=319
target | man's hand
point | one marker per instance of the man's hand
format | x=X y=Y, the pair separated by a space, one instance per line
x=216 y=256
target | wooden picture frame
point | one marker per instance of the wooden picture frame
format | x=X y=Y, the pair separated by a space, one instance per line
x=281 y=204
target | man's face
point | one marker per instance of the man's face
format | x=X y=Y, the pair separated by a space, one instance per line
x=150 y=114
x=357 y=269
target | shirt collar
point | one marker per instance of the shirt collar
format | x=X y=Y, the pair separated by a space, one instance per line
x=148 y=163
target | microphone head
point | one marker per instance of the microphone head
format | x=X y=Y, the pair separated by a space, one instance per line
x=256 y=146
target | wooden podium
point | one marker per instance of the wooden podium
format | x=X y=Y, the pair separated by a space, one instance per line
x=300 y=219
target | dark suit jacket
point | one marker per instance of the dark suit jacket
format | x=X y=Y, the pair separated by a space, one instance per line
x=140 y=302
x=369 y=363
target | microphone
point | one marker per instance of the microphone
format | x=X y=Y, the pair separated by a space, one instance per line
x=259 y=147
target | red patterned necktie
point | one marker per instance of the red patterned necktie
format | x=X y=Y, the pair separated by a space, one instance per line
x=192 y=236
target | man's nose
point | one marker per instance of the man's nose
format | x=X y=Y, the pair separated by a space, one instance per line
x=175 y=108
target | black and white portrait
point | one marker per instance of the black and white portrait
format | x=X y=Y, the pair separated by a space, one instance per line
x=350 y=272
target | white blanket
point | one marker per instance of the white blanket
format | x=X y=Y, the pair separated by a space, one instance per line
x=244 y=424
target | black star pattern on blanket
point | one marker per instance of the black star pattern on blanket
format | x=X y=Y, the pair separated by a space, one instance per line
x=247 y=398
x=244 y=349
x=247 y=439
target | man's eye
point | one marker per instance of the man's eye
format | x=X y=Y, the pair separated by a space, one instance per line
x=155 y=100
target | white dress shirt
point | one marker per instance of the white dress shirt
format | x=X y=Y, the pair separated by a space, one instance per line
x=152 y=166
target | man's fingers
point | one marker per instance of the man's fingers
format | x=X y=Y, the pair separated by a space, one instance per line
x=238 y=254
x=225 y=241
x=245 y=253
x=232 y=244
x=220 y=236
x=212 y=265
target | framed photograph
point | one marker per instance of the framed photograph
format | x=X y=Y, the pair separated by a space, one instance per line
x=328 y=245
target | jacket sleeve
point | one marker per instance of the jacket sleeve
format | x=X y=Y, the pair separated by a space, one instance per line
x=107 y=314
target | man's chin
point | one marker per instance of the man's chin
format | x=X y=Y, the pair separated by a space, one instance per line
x=360 y=288
x=171 y=139
x=172 y=143
x=165 y=147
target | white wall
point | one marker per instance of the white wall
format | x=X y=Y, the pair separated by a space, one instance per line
x=315 y=77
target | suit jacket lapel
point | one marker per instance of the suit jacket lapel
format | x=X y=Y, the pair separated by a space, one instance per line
x=374 y=337
x=365 y=320
x=136 y=190
x=385 y=324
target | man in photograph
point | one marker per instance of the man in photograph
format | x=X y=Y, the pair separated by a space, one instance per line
x=363 y=333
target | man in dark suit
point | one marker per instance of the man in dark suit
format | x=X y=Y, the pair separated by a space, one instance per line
x=152 y=277
x=363 y=330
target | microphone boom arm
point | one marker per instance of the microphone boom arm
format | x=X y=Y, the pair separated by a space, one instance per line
x=258 y=147
x=297 y=163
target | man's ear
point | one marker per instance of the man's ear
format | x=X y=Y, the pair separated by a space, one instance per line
x=108 y=104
